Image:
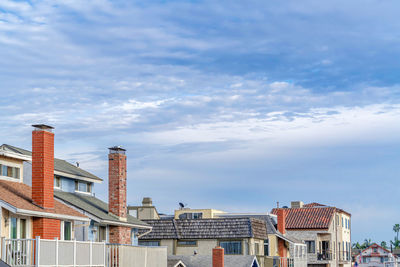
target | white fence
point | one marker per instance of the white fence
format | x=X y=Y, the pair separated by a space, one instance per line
x=133 y=256
x=43 y=252
x=57 y=253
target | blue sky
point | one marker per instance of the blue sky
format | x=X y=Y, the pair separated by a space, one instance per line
x=226 y=104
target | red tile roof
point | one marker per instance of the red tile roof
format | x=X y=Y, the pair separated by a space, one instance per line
x=309 y=217
x=314 y=204
x=19 y=195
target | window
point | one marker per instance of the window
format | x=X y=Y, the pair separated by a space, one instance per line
x=83 y=187
x=310 y=246
x=342 y=222
x=231 y=247
x=337 y=220
x=375 y=250
x=22 y=228
x=13 y=228
x=12 y=172
x=102 y=234
x=187 y=243
x=149 y=243
x=67 y=231
x=266 y=247
x=197 y=215
x=57 y=182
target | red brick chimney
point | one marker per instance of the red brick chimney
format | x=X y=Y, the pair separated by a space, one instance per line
x=282 y=220
x=117 y=182
x=218 y=257
x=43 y=166
x=117 y=194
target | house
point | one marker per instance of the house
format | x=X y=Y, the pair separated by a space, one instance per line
x=74 y=187
x=325 y=230
x=31 y=211
x=375 y=256
x=238 y=236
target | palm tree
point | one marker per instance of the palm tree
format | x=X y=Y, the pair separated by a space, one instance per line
x=384 y=245
x=396 y=229
x=367 y=243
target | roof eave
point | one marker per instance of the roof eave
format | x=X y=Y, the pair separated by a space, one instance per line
x=78 y=177
x=132 y=225
x=34 y=213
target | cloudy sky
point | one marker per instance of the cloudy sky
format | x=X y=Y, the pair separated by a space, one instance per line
x=232 y=105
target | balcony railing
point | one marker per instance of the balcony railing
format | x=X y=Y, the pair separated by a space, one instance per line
x=324 y=255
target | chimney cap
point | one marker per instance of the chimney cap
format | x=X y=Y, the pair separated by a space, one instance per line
x=43 y=127
x=147 y=201
x=117 y=149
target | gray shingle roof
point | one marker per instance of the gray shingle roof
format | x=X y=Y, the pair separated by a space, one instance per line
x=59 y=164
x=206 y=228
x=206 y=260
x=94 y=206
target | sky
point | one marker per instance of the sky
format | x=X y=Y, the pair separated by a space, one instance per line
x=233 y=105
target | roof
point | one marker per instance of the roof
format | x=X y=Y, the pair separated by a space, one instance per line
x=19 y=196
x=175 y=263
x=308 y=218
x=206 y=260
x=3 y=264
x=206 y=228
x=375 y=245
x=59 y=164
x=313 y=204
x=95 y=207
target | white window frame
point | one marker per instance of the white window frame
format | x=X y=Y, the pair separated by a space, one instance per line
x=14 y=165
x=27 y=226
x=62 y=230
x=83 y=192
x=59 y=178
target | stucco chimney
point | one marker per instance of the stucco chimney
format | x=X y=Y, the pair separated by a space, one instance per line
x=117 y=182
x=296 y=204
x=218 y=257
x=43 y=166
x=281 y=214
x=147 y=201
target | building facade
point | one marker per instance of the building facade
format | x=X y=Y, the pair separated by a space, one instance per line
x=375 y=256
x=325 y=230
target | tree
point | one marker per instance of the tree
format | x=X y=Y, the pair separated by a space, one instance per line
x=396 y=229
x=357 y=245
x=367 y=243
x=384 y=245
x=395 y=243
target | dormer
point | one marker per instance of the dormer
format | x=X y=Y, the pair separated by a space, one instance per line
x=11 y=164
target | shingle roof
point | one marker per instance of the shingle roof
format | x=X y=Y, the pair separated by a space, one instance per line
x=175 y=262
x=206 y=228
x=94 y=206
x=308 y=218
x=19 y=195
x=59 y=164
x=206 y=260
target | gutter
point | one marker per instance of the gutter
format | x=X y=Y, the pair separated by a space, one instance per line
x=14 y=155
x=145 y=233
x=126 y=224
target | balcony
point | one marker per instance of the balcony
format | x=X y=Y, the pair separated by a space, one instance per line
x=324 y=255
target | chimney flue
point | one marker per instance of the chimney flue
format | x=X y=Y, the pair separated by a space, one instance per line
x=282 y=220
x=218 y=257
x=117 y=182
x=43 y=166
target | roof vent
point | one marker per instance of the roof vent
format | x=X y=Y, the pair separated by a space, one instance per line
x=147 y=201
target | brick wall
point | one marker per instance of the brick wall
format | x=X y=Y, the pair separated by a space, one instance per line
x=120 y=235
x=43 y=168
x=117 y=184
x=281 y=217
x=46 y=228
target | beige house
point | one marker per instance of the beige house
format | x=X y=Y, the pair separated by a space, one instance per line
x=325 y=230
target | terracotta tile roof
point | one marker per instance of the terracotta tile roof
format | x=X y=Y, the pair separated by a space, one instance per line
x=309 y=218
x=314 y=204
x=19 y=195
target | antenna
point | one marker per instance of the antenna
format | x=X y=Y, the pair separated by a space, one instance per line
x=181 y=205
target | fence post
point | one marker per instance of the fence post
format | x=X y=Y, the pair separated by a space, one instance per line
x=74 y=252
x=56 y=251
x=105 y=253
x=37 y=254
x=90 y=253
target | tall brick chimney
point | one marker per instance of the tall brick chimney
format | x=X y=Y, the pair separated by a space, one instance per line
x=117 y=194
x=43 y=166
x=282 y=220
x=218 y=257
x=117 y=182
